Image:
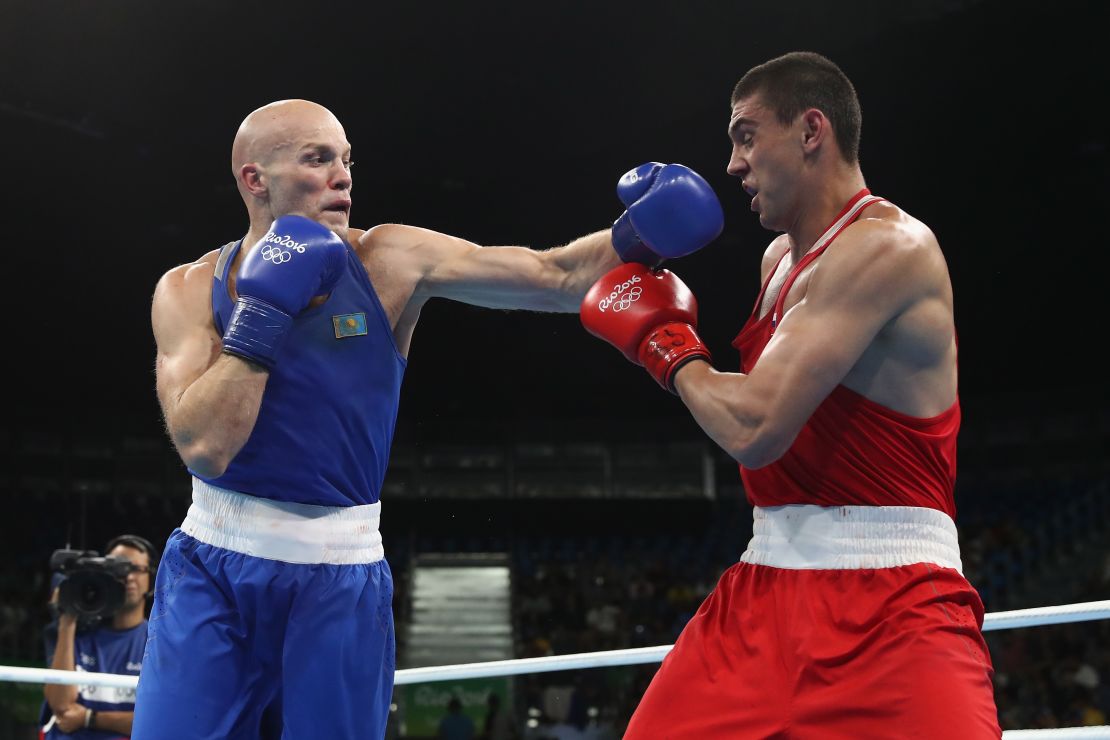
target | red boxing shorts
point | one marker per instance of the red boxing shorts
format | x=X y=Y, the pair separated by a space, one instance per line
x=839 y=622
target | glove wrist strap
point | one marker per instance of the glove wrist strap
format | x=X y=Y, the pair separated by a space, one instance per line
x=256 y=331
x=667 y=348
x=628 y=246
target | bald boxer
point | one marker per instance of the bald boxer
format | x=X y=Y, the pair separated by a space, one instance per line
x=848 y=615
x=280 y=358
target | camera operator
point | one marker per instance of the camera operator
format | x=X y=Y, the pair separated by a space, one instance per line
x=111 y=641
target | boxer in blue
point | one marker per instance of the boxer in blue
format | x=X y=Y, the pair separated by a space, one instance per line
x=279 y=364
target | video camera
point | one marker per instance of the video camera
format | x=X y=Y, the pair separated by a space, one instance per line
x=92 y=587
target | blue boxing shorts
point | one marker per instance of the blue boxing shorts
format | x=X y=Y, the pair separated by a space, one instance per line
x=270 y=620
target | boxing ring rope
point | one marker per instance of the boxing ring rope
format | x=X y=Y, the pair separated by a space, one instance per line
x=1005 y=620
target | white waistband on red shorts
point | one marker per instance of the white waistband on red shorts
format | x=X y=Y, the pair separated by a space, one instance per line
x=802 y=536
x=281 y=530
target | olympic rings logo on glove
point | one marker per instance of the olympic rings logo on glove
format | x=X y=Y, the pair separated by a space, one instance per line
x=626 y=300
x=621 y=299
x=275 y=255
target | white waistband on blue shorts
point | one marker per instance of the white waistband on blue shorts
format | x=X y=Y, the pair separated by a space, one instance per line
x=802 y=536
x=281 y=530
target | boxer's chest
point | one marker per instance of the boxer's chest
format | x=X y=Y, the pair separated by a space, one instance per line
x=797 y=289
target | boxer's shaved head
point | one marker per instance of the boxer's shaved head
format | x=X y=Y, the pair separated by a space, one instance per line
x=276 y=126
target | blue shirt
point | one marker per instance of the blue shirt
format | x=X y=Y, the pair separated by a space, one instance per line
x=326 y=423
x=103 y=650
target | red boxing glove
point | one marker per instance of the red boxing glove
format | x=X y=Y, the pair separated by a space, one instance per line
x=649 y=315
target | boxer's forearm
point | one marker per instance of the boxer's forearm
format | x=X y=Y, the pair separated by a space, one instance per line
x=733 y=418
x=212 y=419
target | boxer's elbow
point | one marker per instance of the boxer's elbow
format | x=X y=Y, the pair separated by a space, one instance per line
x=756 y=442
x=205 y=467
x=202 y=456
x=757 y=454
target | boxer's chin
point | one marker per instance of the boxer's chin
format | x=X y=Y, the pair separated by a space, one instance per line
x=337 y=221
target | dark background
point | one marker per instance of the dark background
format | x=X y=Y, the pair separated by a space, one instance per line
x=510 y=122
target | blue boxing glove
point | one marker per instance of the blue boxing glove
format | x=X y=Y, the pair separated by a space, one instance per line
x=296 y=260
x=672 y=212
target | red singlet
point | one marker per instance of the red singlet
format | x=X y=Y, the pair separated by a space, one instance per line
x=848 y=616
x=852 y=450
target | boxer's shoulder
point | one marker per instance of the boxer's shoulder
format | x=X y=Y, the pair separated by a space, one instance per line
x=891 y=240
x=885 y=224
x=404 y=249
x=188 y=282
x=392 y=237
x=354 y=236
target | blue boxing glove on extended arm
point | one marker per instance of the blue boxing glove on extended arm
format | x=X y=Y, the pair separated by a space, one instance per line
x=296 y=260
x=672 y=211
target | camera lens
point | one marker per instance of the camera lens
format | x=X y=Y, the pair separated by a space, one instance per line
x=90 y=598
x=92 y=592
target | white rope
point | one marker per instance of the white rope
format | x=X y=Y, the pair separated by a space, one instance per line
x=66 y=678
x=573 y=661
x=1041 y=615
x=1081 y=612
x=1062 y=733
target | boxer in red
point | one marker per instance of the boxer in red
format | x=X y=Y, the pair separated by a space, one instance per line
x=848 y=615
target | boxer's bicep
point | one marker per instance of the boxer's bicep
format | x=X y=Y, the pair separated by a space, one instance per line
x=186 y=342
x=813 y=349
x=854 y=293
x=209 y=399
x=856 y=288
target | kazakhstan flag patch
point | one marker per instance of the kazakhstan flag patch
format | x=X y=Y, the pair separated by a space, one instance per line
x=349 y=325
